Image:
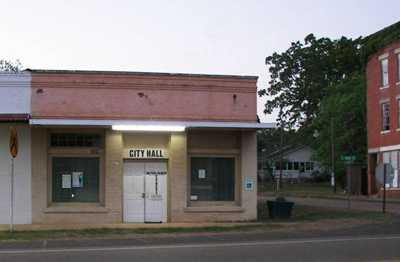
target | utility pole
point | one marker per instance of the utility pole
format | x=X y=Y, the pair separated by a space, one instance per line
x=279 y=184
x=333 y=180
x=385 y=170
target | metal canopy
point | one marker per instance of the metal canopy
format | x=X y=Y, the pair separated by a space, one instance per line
x=186 y=124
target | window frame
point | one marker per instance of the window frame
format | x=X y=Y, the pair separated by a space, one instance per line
x=75 y=202
x=398 y=66
x=398 y=112
x=384 y=75
x=382 y=113
x=237 y=186
x=76 y=152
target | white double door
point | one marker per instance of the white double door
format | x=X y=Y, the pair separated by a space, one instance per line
x=145 y=192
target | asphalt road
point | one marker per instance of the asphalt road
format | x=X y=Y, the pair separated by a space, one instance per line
x=391 y=207
x=363 y=248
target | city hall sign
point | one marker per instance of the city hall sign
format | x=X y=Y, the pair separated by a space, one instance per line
x=145 y=153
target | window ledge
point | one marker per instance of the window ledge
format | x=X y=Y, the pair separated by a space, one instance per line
x=78 y=208
x=391 y=189
x=384 y=87
x=398 y=83
x=385 y=132
x=214 y=209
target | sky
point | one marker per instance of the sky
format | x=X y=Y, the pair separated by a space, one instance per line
x=203 y=36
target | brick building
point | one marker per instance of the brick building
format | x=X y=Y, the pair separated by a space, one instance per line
x=383 y=110
x=119 y=147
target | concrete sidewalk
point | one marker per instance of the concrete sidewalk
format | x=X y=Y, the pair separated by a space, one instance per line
x=124 y=226
x=355 y=204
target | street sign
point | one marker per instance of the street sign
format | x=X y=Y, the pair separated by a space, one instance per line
x=348 y=158
x=13 y=153
x=13 y=142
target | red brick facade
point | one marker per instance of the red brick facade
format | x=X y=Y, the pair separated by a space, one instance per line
x=153 y=96
x=379 y=139
x=376 y=94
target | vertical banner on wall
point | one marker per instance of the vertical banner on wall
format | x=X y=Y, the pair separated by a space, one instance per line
x=13 y=153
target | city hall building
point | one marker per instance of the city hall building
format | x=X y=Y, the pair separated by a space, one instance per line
x=121 y=147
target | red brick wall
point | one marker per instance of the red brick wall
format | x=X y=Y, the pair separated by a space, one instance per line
x=375 y=95
x=124 y=96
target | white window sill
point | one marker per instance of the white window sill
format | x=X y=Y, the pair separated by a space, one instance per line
x=385 y=132
x=75 y=208
x=398 y=83
x=391 y=188
x=384 y=87
x=214 y=209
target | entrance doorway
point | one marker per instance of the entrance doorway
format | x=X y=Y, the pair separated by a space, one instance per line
x=145 y=192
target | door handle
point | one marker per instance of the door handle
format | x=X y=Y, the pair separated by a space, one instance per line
x=143 y=195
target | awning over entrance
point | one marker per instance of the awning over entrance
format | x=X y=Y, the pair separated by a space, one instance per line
x=150 y=123
x=14 y=117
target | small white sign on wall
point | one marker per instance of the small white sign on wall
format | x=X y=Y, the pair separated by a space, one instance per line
x=249 y=184
x=193 y=198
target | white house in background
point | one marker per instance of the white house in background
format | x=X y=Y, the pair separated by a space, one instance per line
x=297 y=162
x=15 y=107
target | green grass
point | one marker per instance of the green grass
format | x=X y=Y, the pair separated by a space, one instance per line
x=123 y=232
x=300 y=214
x=306 y=213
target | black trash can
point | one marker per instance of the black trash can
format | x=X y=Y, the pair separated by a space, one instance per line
x=280 y=209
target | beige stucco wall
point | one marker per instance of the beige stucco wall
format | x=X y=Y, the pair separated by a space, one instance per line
x=242 y=145
x=108 y=211
x=180 y=146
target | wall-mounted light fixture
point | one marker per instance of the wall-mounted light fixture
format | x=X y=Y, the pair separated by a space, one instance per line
x=149 y=128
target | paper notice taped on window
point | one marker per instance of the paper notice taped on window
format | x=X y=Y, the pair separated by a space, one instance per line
x=202 y=173
x=77 y=179
x=66 y=181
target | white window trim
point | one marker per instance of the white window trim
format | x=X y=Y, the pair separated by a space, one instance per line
x=386 y=100
x=385 y=132
x=397 y=50
x=383 y=56
x=381 y=59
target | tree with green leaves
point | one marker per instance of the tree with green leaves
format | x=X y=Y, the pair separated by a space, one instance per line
x=304 y=74
x=342 y=117
x=319 y=87
x=312 y=86
x=10 y=66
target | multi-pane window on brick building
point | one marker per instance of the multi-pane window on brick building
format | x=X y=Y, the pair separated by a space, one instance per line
x=398 y=66
x=385 y=72
x=385 y=108
x=398 y=113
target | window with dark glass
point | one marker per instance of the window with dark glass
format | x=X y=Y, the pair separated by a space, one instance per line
x=75 y=179
x=385 y=113
x=213 y=178
x=296 y=165
x=308 y=166
x=302 y=167
x=75 y=140
x=398 y=113
x=398 y=66
x=385 y=72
